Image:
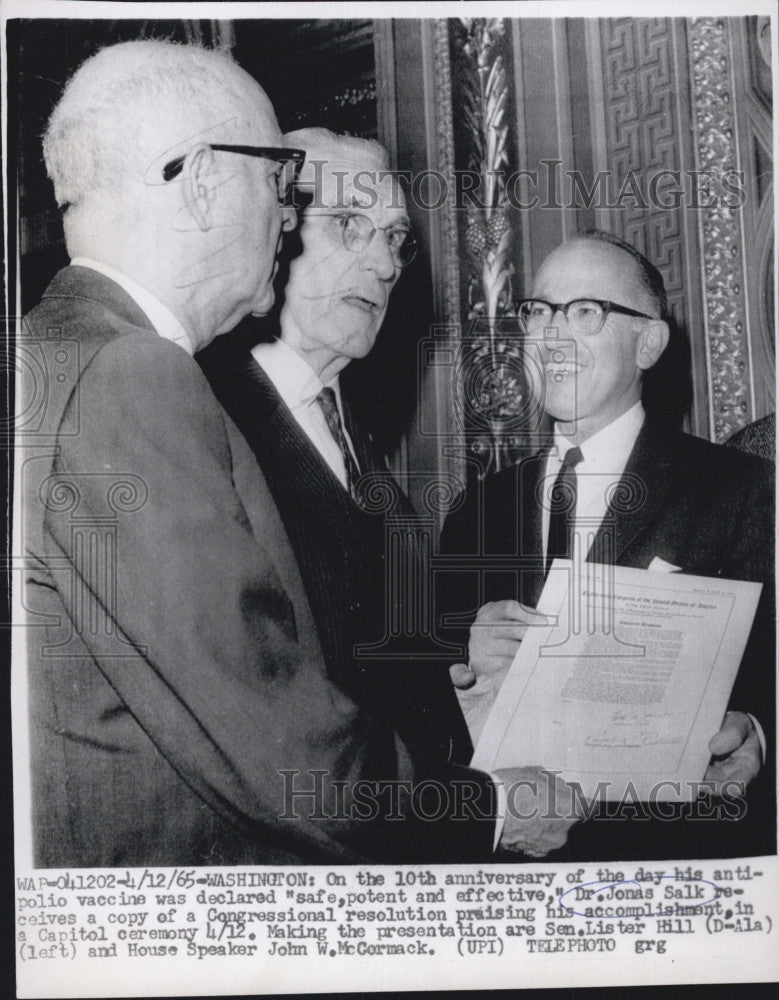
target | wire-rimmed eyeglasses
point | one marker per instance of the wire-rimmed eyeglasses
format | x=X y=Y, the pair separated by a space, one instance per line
x=583 y=315
x=291 y=161
x=357 y=230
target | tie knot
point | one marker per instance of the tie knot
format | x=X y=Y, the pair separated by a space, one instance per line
x=326 y=399
x=572 y=458
x=329 y=407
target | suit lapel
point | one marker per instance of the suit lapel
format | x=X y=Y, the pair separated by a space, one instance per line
x=373 y=465
x=302 y=461
x=531 y=544
x=282 y=448
x=642 y=493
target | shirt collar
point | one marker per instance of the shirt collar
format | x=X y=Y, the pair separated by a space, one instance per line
x=612 y=444
x=160 y=317
x=295 y=380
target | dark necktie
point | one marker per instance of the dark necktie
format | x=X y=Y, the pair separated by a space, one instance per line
x=562 y=509
x=329 y=407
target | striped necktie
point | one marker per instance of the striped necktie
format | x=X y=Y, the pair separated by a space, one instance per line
x=329 y=407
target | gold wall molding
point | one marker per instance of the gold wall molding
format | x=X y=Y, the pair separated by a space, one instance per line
x=722 y=250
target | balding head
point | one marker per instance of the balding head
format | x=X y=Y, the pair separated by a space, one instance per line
x=204 y=239
x=645 y=270
x=132 y=107
x=587 y=377
x=605 y=267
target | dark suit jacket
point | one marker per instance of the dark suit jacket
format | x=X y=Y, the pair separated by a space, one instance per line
x=699 y=506
x=758 y=438
x=340 y=547
x=173 y=664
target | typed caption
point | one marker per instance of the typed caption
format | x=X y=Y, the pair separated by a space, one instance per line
x=261 y=923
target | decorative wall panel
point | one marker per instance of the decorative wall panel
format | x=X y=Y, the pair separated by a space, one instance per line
x=445 y=135
x=641 y=141
x=721 y=233
x=640 y=94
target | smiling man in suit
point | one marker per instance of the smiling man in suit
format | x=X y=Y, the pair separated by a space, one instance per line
x=635 y=493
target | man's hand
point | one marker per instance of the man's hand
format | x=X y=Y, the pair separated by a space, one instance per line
x=736 y=752
x=496 y=633
x=540 y=810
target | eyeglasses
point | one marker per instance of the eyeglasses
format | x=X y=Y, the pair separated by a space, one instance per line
x=291 y=161
x=357 y=231
x=583 y=315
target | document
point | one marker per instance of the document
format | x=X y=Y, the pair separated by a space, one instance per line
x=627 y=682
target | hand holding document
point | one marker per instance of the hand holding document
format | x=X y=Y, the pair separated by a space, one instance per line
x=623 y=689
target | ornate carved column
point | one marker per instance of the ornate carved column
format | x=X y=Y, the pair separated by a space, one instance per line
x=492 y=388
x=721 y=237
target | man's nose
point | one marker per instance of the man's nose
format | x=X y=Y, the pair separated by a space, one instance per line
x=289 y=218
x=378 y=257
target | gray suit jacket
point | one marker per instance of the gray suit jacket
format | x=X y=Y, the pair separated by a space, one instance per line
x=174 y=670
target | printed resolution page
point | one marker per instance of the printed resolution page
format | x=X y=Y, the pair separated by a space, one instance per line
x=627 y=684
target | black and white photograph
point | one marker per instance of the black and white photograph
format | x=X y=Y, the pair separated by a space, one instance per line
x=392 y=495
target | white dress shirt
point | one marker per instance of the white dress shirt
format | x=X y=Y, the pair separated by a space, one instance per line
x=160 y=317
x=298 y=385
x=604 y=457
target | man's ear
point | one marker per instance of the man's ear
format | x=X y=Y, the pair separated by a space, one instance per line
x=651 y=343
x=198 y=184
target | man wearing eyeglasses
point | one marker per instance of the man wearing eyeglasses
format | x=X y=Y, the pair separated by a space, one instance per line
x=182 y=711
x=146 y=592
x=334 y=491
x=286 y=396
x=636 y=494
x=323 y=469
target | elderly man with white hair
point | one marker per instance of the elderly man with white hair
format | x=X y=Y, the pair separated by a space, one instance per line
x=147 y=591
x=354 y=240
x=323 y=470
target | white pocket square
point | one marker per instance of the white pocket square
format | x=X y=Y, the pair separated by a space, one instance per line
x=659 y=565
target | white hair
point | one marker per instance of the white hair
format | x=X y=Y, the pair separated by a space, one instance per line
x=131 y=104
x=323 y=146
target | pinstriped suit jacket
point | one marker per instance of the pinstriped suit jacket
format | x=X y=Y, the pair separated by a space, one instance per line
x=340 y=549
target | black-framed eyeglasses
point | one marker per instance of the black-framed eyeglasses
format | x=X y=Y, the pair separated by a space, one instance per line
x=357 y=230
x=291 y=161
x=583 y=315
